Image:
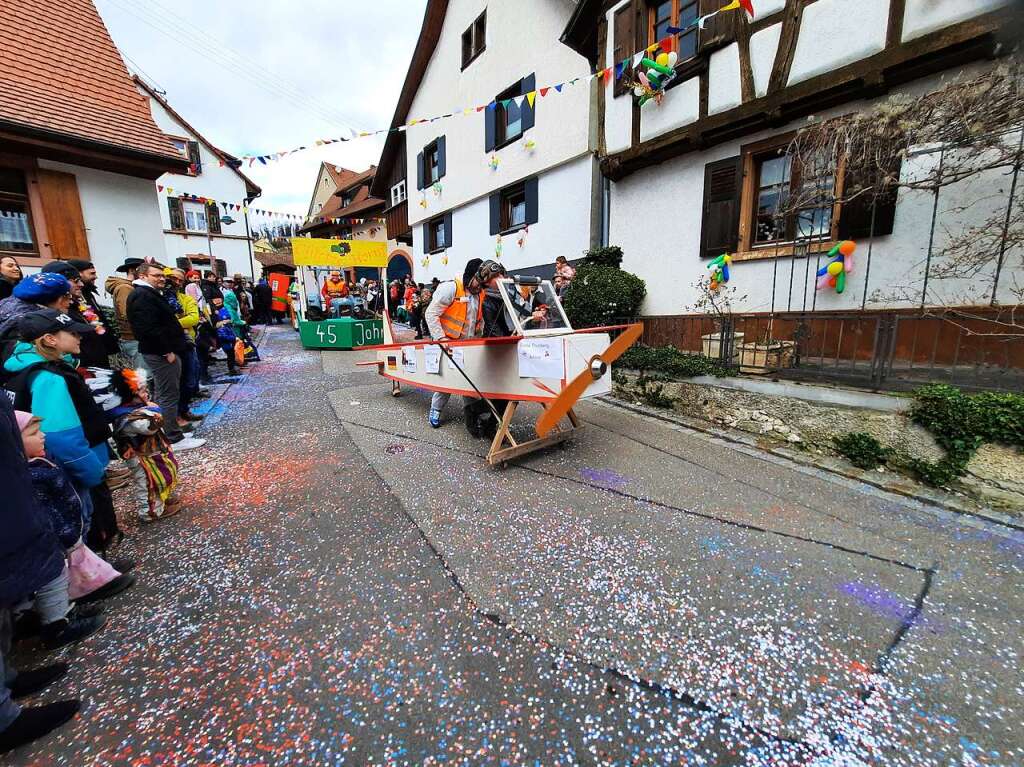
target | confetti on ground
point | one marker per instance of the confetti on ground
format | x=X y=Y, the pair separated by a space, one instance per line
x=362 y=590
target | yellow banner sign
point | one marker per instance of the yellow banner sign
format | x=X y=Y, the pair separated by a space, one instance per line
x=342 y=254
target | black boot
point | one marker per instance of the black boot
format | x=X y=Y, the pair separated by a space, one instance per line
x=36 y=680
x=36 y=721
x=64 y=631
x=115 y=587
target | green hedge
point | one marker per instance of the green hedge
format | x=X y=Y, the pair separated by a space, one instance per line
x=600 y=295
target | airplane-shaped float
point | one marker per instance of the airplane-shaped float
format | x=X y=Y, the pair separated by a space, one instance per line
x=546 y=362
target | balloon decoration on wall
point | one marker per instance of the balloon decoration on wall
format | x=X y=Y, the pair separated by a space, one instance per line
x=833 y=274
x=719 y=271
x=654 y=76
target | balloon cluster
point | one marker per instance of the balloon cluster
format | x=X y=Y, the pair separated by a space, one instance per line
x=833 y=274
x=660 y=72
x=720 y=271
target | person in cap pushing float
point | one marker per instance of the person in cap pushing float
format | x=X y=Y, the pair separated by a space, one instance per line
x=456 y=312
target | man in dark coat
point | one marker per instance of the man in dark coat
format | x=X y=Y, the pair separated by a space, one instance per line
x=162 y=342
x=263 y=299
x=30 y=557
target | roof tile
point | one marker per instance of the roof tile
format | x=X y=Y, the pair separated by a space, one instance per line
x=60 y=72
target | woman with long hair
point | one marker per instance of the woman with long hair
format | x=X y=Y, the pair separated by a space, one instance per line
x=10 y=275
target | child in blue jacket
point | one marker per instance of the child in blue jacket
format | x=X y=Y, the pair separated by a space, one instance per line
x=45 y=381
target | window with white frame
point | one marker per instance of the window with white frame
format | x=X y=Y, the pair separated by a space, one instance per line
x=398 y=193
x=195 y=216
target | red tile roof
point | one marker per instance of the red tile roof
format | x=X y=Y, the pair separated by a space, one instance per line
x=60 y=73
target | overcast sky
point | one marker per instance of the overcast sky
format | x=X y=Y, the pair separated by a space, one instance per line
x=266 y=76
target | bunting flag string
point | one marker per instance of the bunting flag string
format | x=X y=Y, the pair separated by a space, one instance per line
x=243 y=208
x=606 y=76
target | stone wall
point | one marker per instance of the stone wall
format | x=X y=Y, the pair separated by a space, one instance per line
x=776 y=413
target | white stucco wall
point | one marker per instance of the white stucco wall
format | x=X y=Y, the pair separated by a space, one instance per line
x=122 y=217
x=562 y=124
x=924 y=16
x=763 y=47
x=834 y=33
x=724 y=72
x=667 y=256
x=764 y=8
x=563 y=228
x=215 y=182
x=681 y=106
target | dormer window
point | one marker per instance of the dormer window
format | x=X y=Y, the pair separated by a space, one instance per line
x=674 y=13
x=474 y=40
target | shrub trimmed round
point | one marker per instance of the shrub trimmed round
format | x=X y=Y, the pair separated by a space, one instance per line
x=599 y=295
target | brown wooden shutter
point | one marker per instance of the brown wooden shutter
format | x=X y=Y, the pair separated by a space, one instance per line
x=176 y=213
x=720 y=30
x=62 y=209
x=855 y=215
x=720 y=230
x=624 y=44
x=212 y=217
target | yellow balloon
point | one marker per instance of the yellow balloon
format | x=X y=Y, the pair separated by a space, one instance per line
x=835 y=269
x=662 y=59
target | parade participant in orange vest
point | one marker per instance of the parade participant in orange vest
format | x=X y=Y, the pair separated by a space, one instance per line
x=335 y=293
x=456 y=312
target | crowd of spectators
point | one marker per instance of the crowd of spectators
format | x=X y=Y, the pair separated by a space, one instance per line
x=95 y=398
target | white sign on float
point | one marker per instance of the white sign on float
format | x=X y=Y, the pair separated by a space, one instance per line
x=459 y=358
x=432 y=359
x=541 y=358
x=409 y=359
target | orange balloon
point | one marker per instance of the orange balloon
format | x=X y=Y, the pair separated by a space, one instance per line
x=831 y=282
x=846 y=247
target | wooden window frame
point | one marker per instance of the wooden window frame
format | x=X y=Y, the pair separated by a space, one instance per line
x=747 y=251
x=184 y=217
x=476 y=36
x=431 y=152
x=402 y=195
x=432 y=241
x=510 y=195
x=677 y=5
x=26 y=200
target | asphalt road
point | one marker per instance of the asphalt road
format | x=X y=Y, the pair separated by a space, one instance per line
x=349 y=586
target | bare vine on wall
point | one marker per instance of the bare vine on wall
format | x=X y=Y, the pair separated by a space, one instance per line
x=973 y=130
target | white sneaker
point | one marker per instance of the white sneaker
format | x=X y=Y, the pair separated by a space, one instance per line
x=188 y=443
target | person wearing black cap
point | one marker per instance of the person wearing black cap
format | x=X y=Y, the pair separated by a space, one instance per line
x=47 y=384
x=119 y=288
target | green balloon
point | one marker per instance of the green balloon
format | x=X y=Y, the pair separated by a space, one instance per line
x=841 y=281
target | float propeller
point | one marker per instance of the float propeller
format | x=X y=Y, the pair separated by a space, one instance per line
x=599 y=363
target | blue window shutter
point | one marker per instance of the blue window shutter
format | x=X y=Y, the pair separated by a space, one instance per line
x=441 y=157
x=532 y=211
x=490 y=128
x=448 y=229
x=496 y=213
x=419 y=171
x=529 y=113
x=426 y=237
